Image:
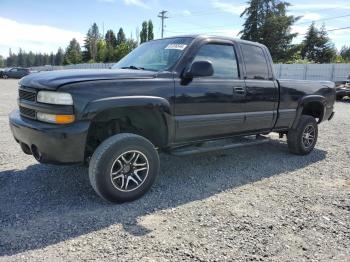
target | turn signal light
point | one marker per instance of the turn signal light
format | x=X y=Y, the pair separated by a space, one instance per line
x=55 y=119
x=65 y=119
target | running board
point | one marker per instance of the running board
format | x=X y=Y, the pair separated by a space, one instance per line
x=217 y=145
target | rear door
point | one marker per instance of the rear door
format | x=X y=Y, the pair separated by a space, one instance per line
x=261 y=90
x=211 y=106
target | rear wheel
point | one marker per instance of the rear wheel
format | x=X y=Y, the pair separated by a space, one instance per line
x=4 y=76
x=302 y=140
x=123 y=168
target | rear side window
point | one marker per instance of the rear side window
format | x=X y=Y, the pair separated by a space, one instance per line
x=255 y=62
x=223 y=58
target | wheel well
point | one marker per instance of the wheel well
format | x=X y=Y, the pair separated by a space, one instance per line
x=315 y=109
x=148 y=123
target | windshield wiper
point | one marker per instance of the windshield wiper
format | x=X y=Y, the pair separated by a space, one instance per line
x=133 y=67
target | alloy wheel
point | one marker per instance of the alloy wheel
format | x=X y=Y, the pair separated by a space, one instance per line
x=309 y=136
x=129 y=171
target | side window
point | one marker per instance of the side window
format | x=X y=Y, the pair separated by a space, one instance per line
x=223 y=58
x=14 y=70
x=255 y=62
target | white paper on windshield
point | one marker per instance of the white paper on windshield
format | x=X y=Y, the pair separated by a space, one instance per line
x=176 y=46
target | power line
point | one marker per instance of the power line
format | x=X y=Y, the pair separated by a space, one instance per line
x=163 y=17
x=197 y=26
x=209 y=32
x=336 y=29
x=324 y=19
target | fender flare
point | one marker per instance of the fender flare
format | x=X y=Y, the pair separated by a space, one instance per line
x=95 y=109
x=306 y=100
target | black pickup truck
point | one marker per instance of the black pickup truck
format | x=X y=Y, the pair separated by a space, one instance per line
x=179 y=95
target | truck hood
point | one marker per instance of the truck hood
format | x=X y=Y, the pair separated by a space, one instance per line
x=54 y=79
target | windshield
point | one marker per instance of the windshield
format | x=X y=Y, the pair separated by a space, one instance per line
x=156 y=55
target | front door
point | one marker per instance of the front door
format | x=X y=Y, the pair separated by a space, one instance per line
x=211 y=106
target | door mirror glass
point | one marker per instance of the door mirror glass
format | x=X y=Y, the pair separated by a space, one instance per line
x=200 y=69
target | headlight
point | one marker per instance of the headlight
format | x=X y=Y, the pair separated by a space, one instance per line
x=55 y=119
x=55 y=98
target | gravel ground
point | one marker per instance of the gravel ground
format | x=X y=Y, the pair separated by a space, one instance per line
x=253 y=203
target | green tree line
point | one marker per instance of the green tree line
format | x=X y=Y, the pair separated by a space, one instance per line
x=97 y=48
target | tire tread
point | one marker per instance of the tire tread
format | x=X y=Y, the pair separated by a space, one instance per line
x=99 y=154
x=293 y=137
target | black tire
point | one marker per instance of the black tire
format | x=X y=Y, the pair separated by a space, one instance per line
x=26 y=150
x=339 y=97
x=105 y=158
x=297 y=142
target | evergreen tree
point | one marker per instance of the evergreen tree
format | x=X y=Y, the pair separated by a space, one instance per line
x=47 y=59
x=2 y=61
x=144 y=32
x=73 y=53
x=101 y=51
x=91 y=41
x=328 y=51
x=30 y=59
x=121 y=37
x=21 y=58
x=110 y=39
x=345 y=53
x=308 y=49
x=110 y=55
x=124 y=49
x=52 y=59
x=267 y=23
x=37 y=61
x=150 y=35
x=255 y=19
x=59 y=57
x=11 y=59
x=317 y=46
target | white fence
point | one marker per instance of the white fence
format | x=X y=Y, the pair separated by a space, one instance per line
x=331 y=72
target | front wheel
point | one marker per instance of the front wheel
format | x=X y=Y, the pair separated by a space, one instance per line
x=302 y=140
x=123 y=168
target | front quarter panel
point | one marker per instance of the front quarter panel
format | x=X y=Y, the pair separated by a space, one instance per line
x=92 y=99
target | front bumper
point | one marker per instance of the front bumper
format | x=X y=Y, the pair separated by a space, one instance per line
x=55 y=144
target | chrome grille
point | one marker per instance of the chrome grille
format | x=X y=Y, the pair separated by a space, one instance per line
x=26 y=95
x=27 y=112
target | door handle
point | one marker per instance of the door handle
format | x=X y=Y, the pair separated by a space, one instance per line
x=239 y=90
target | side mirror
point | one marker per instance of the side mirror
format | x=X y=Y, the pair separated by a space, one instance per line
x=199 y=69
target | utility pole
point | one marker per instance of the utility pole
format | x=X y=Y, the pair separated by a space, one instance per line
x=163 y=17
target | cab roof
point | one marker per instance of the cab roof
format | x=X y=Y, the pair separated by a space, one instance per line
x=227 y=38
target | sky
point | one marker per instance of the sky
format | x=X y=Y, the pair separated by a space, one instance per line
x=46 y=25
